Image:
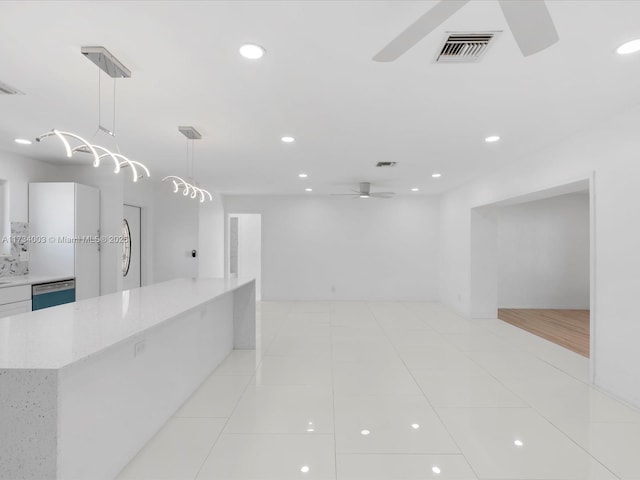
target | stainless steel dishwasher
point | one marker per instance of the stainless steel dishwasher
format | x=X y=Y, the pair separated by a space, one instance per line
x=49 y=294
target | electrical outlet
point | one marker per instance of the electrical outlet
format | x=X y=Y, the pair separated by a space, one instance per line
x=139 y=348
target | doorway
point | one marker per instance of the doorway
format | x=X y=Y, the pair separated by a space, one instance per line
x=132 y=247
x=244 y=258
x=558 y=290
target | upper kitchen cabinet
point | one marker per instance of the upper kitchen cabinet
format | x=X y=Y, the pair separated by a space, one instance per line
x=64 y=226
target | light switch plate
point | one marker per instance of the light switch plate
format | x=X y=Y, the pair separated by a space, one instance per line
x=24 y=256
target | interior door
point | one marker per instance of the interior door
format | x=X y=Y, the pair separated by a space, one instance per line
x=131 y=248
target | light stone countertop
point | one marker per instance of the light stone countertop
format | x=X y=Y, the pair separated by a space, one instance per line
x=59 y=336
x=30 y=280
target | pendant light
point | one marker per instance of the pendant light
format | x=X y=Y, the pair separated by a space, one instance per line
x=114 y=68
x=180 y=184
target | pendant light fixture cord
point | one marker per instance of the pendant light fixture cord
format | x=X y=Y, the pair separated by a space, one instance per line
x=99 y=102
x=113 y=124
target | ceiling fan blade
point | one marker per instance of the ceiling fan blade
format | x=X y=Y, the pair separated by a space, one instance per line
x=381 y=195
x=530 y=23
x=419 y=29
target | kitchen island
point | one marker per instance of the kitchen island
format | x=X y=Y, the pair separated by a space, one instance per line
x=84 y=386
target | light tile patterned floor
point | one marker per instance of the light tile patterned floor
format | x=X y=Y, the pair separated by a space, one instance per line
x=394 y=391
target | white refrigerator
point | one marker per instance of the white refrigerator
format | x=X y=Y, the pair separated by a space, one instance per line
x=64 y=229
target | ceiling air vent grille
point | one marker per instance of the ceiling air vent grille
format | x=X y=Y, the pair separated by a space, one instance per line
x=386 y=164
x=9 y=90
x=464 y=47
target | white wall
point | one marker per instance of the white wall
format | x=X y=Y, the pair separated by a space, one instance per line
x=19 y=171
x=211 y=238
x=611 y=151
x=331 y=248
x=175 y=234
x=250 y=248
x=484 y=264
x=543 y=253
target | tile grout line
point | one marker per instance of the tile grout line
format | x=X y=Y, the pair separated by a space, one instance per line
x=229 y=417
x=429 y=402
x=530 y=352
x=333 y=402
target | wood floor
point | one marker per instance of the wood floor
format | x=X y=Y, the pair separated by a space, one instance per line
x=568 y=328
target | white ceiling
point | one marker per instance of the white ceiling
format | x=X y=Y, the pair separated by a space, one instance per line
x=317 y=82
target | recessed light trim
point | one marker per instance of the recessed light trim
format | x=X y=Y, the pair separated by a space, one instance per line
x=415 y=189
x=252 y=51
x=365 y=432
x=22 y=141
x=308 y=189
x=436 y=175
x=518 y=443
x=305 y=469
x=631 y=46
x=492 y=138
x=436 y=470
x=303 y=175
x=288 y=139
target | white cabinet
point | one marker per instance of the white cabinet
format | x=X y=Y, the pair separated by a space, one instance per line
x=64 y=226
x=14 y=300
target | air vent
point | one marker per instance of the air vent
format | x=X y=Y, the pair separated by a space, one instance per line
x=386 y=164
x=9 y=90
x=464 y=47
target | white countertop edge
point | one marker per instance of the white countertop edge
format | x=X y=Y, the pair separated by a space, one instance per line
x=32 y=335
x=15 y=281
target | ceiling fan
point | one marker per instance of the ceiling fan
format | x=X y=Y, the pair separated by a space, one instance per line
x=364 y=191
x=529 y=21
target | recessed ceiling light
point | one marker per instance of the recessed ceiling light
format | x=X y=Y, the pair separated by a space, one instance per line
x=436 y=470
x=303 y=175
x=364 y=196
x=415 y=426
x=364 y=432
x=22 y=141
x=518 y=443
x=492 y=138
x=415 y=189
x=304 y=469
x=251 y=51
x=436 y=175
x=308 y=189
x=288 y=139
x=630 y=47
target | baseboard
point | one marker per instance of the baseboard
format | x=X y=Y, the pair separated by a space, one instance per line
x=544 y=307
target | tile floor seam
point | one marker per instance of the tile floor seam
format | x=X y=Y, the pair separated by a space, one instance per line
x=432 y=407
x=227 y=421
x=554 y=391
x=541 y=414
x=333 y=404
x=566 y=435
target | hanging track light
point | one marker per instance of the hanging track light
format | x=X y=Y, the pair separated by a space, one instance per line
x=120 y=160
x=109 y=64
x=189 y=189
